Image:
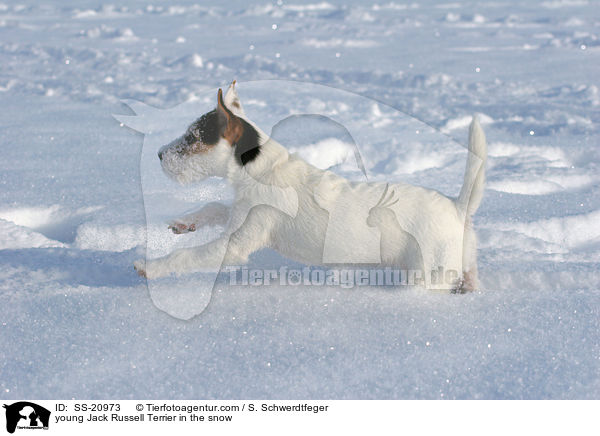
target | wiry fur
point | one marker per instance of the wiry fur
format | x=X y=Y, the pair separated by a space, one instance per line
x=418 y=227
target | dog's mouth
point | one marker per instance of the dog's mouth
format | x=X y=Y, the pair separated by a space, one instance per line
x=175 y=163
x=176 y=146
x=170 y=161
x=173 y=168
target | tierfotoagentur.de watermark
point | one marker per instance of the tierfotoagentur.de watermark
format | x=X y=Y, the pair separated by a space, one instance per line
x=346 y=278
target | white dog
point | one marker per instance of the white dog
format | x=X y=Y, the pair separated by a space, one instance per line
x=314 y=216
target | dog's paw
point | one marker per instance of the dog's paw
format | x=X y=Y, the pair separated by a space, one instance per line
x=140 y=268
x=180 y=228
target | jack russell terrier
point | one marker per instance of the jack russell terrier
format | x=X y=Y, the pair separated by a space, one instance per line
x=314 y=216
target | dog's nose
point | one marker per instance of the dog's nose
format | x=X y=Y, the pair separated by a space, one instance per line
x=160 y=154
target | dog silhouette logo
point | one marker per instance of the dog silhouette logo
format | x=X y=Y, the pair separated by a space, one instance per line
x=26 y=415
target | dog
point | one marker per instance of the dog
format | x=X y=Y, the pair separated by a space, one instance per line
x=313 y=216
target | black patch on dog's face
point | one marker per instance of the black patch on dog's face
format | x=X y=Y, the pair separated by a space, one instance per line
x=207 y=129
x=247 y=147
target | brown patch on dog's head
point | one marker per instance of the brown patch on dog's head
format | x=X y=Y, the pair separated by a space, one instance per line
x=234 y=128
x=206 y=131
x=219 y=123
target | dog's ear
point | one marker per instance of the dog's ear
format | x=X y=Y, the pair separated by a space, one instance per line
x=233 y=128
x=232 y=100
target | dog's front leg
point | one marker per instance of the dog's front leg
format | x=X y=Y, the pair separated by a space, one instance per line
x=210 y=214
x=229 y=249
x=207 y=257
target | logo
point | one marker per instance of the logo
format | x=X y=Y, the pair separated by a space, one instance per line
x=26 y=415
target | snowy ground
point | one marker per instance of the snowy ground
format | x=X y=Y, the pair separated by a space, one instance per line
x=76 y=322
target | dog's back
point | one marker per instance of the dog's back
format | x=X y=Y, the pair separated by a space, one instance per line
x=342 y=222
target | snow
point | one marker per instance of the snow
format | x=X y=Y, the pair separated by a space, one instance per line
x=82 y=197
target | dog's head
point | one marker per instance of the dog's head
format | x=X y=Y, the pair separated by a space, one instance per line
x=213 y=143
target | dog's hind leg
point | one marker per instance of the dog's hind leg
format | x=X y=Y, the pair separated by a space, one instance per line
x=470 y=280
x=211 y=214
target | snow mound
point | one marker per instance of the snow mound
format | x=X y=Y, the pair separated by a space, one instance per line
x=14 y=236
x=118 y=238
x=326 y=153
x=53 y=222
x=569 y=231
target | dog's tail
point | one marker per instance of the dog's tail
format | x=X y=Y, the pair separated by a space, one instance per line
x=471 y=192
